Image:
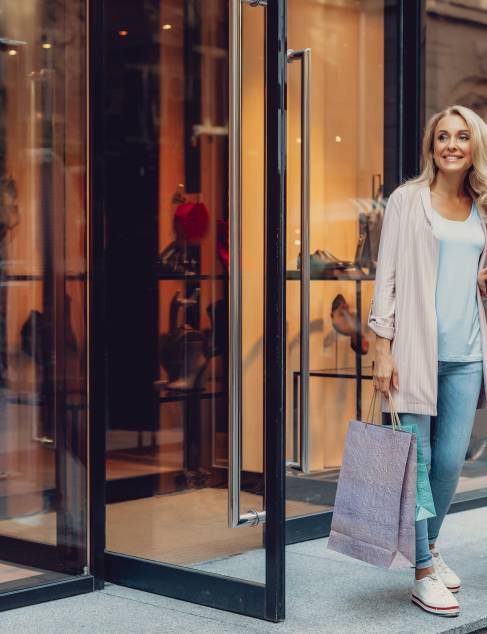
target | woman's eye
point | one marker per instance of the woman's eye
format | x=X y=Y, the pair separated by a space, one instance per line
x=464 y=137
x=442 y=137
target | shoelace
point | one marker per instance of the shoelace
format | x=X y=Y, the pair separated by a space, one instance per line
x=439 y=585
x=439 y=562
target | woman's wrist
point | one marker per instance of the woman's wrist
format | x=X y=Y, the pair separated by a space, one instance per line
x=382 y=344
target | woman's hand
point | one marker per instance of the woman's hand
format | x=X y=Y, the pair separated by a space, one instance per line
x=481 y=280
x=385 y=370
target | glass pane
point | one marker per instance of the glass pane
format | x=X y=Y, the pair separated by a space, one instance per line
x=43 y=282
x=347 y=42
x=167 y=218
x=456 y=73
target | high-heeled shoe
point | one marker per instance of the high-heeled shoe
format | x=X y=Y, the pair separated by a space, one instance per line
x=344 y=322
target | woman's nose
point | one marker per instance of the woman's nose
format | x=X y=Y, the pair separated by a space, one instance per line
x=452 y=144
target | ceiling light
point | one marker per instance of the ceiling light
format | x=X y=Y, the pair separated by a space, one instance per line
x=166 y=27
x=123 y=33
x=338 y=139
x=12 y=52
x=46 y=45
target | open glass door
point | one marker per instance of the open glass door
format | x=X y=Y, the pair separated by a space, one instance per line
x=192 y=183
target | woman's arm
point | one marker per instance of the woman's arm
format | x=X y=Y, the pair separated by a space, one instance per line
x=383 y=305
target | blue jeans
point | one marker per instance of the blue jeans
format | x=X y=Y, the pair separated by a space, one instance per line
x=445 y=438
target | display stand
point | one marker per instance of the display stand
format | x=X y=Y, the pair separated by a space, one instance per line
x=191 y=399
x=354 y=373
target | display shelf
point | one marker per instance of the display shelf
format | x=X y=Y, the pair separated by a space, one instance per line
x=21 y=277
x=173 y=396
x=355 y=373
x=349 y=274
x=188 y=277
x=338 y=373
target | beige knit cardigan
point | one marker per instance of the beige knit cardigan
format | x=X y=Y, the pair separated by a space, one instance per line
x=403 y=306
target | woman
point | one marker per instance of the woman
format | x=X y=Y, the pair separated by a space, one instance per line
x=429 y=318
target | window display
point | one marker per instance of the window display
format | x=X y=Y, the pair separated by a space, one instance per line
x=349 y=101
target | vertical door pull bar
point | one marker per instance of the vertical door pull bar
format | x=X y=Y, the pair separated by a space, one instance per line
x=252 y=517
x=304 y=56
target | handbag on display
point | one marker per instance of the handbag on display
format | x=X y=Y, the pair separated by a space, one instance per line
x=191 y=221
x=216 y=337
x=375 y=506
x=344 y=322
x=190 y=224
x=222 y=241
x=181 y=350
x=370 y=227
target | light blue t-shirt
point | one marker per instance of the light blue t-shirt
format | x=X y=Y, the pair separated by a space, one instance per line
x=461 y=244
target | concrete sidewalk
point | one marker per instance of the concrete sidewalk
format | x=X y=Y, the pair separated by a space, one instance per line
x=325 y=593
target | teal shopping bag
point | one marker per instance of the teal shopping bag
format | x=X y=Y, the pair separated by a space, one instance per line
x=425 y=506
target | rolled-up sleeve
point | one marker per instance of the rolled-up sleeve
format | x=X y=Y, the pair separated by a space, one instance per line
x=383 y=304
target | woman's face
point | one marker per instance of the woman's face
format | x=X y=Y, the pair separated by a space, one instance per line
x=452 y=148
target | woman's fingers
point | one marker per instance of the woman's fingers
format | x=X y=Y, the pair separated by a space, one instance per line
x=482 y=277
x=384 y=384
x=395 y=379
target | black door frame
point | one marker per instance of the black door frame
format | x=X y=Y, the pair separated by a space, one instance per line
x=264 y=601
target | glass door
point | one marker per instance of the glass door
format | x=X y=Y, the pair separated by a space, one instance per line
x=192 y=187
x=43 y=391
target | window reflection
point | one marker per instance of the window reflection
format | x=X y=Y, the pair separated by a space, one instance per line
x=42 y=283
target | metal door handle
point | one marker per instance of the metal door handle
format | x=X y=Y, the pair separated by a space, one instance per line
x=252 y=517
x=304 y=56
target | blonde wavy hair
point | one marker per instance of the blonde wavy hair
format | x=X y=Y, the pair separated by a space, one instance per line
x=476 y=177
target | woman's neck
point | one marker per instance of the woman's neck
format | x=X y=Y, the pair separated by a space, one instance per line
x=451 y=186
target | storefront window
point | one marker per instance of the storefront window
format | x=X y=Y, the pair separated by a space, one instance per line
x=42 y=291
x=349 y=97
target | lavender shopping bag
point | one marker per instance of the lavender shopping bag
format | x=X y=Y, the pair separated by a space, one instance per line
x=375 y=506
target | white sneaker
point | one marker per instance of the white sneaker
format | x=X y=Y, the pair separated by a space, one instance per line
x=431 y=594
x=445 y=573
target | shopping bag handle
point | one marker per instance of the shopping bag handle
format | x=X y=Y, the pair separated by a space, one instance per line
x=395 y=421
x=372 y=407
x=394 y=413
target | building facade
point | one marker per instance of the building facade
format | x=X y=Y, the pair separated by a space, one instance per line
x=175 y=379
